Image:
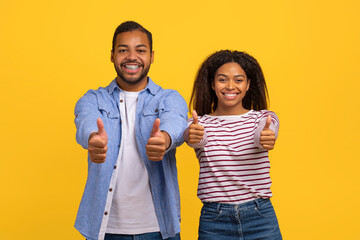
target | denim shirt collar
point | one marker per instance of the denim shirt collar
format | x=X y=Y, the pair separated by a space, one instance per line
x=151 y=87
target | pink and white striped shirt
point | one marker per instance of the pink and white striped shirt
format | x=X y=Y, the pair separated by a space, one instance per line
x=234 y=168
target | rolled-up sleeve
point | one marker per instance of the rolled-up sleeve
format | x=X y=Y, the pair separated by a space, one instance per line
x=174 y=119
x=86 y=115
x=274 y=126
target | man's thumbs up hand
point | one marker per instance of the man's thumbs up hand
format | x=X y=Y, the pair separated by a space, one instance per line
x=158 y=142
x=267 y=136
x=155 y=132
x=196 y=131
x=98 y=144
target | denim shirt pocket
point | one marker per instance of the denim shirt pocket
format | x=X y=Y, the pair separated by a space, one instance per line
x=153 y=109
x=109 y=111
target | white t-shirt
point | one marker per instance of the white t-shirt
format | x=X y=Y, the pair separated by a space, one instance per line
x=132 y=209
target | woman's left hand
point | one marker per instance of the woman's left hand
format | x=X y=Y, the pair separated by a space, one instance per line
x=267 y=136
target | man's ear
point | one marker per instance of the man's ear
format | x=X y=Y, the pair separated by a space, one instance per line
x=112 y=56
x=152 y=57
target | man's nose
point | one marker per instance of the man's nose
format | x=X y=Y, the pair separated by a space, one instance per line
x=132 y=55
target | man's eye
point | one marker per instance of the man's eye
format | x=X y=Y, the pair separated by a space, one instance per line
x=122 y=50
x=141 y=50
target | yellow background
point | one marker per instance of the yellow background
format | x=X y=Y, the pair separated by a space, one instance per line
x=52 y=52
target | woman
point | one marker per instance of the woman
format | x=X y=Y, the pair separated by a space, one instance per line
x=231 y=138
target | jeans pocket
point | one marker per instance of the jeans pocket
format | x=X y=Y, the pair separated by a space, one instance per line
x=265 y=209
x=209 y=214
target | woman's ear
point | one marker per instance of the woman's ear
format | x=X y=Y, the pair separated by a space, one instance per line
x=248 y=84
x=212 y=84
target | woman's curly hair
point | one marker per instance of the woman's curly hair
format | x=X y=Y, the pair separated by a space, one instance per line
x=203 y=98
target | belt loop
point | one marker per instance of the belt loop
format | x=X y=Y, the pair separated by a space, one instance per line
x=218 y=207
x=257 y=203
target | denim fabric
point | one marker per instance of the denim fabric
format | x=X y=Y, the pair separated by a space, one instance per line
x=153 y=102
x=248 y=221
x=146 y=236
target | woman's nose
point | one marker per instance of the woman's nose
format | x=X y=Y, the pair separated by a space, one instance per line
x=230 y=85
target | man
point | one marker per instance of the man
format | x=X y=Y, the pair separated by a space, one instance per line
x=131 y=129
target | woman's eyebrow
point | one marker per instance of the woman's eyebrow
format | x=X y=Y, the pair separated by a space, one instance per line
x=220 y=74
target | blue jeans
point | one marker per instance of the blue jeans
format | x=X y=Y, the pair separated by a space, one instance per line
x=145 y=236
x=248 y=221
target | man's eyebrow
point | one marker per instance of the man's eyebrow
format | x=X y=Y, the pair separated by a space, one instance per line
x=141 y=45
x=124 y=45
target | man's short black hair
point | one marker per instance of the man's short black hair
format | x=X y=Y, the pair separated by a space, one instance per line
x=130 y=26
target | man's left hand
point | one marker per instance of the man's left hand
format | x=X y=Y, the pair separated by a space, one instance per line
x=158 y=142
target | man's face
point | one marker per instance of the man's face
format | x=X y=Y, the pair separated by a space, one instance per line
x=132 y=59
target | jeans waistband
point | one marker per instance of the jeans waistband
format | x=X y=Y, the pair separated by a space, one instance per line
x=225 y=206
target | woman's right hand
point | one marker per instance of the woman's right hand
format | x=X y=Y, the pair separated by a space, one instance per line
x=196 y=131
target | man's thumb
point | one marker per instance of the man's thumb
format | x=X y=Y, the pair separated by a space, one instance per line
x=195 y=117
x=268 y=122
x=156 y=128
x=101 y=129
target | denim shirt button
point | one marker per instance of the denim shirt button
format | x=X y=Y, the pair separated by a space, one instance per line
x=110 y=189
x=115 y=167
x=121 y=100
x=105 y=213
x=156 y=110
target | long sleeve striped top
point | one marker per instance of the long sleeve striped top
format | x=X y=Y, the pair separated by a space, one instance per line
x=234 y=168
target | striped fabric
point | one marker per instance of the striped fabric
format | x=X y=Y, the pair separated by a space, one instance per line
x=233 y=167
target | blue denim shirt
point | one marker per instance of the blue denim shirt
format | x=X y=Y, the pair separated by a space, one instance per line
x=153 y=102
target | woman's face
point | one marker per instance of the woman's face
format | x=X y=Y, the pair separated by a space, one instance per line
x=230 y=85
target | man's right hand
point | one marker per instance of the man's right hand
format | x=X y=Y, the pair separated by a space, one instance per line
x=98 y=144
x=196 y=131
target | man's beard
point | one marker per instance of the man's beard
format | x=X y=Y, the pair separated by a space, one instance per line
x=132 y=81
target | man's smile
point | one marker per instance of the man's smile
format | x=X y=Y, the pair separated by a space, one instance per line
x=131 y=67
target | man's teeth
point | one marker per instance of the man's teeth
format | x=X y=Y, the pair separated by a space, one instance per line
x=132 y=67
